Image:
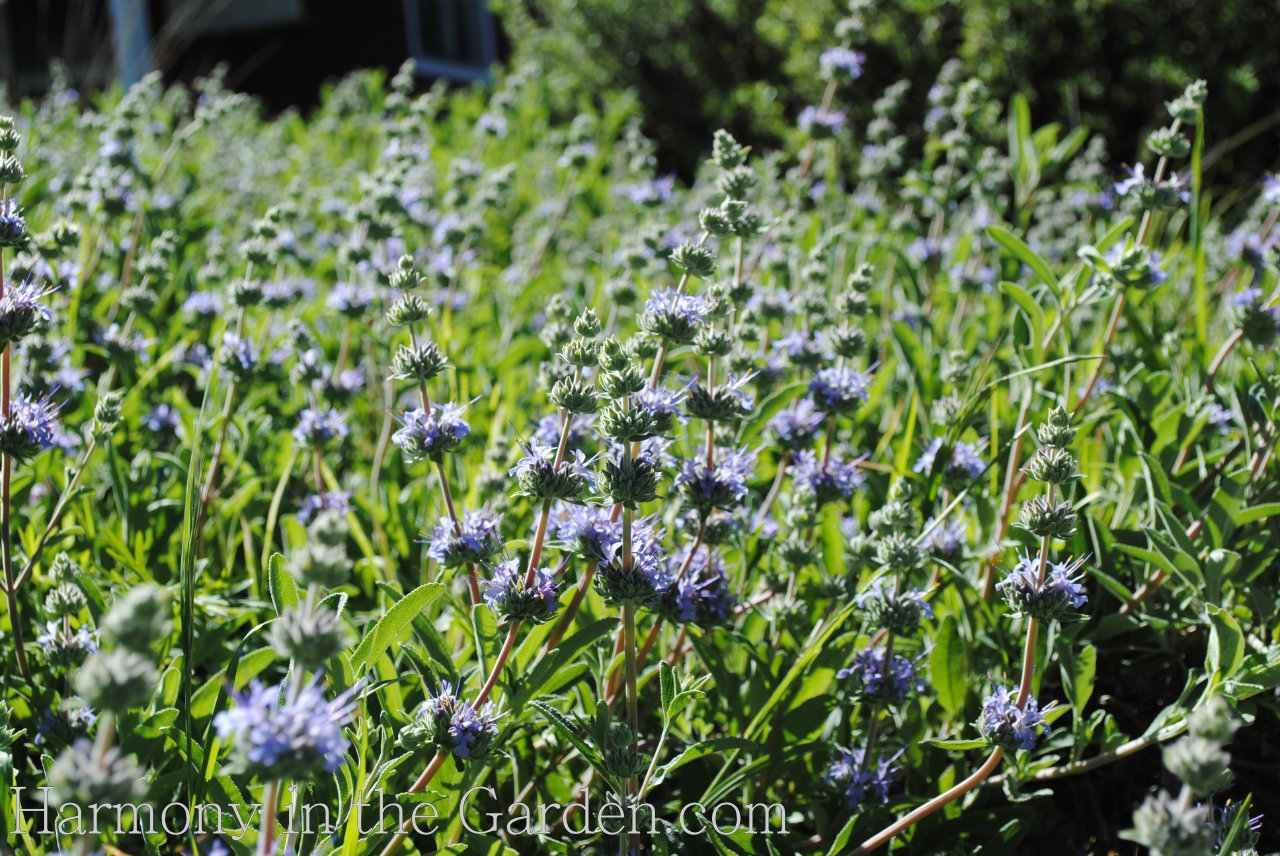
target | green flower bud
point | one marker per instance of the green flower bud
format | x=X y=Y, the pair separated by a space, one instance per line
x=324 y=565
x=736 y=183
x=1167 y=143
x=418 y=364
x=574 y=396
x=626 y=425
x=580 y=351
x=1056 y=430
x=1046 y=519
x=895 y=515
x=1052 y=465
x=9 y=135
x=409 y=309
x=116 y=681
x=625 y=381
x=612 y=355
x=629 y=481
x=848 y=341
x=309 y=638
x=644 y=346
x=697 y=262
x=1172 y=826
x=1260 y=327
x=1214 y=720
x=406 y=276
x=899 y=551
x=259 y=252
x=796 y=553
x=712 y=343
x=81 y=777
x=138 y=620
x=1200 y=763
x=246 y=292
x=726 y=152
x=65 y=599
x=725 y=403
x=10 y=170
x=588 y=324
x=714 y=221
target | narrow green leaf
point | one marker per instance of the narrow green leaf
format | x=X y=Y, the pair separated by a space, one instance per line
x=1023 y=253
x=667 y=679
x=1226 y=642
x=948 y=668
x=383 y=633
x=284 y=592
x=957 y=745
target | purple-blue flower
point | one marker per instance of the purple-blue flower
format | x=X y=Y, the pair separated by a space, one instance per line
x=859 y=785
x=723 y=485
x=163 y=417
x=1061 y=590
x=1270 y=189
x=794 y=427
x=844 y=59
x=1135 y=180
x=1006 y=724
x=650 y=193
x=313 y=504
x=351 y=299
x=966 y=459
x=548 y=429
x=507 y=594
x=946 y=538
x=540 y=478
x=474 y=539
x=453 y=723
x=871 y=677
x=317 y=427
x=431 y=435
x=827 y=480
x=840 y=389
x=31 y=426
x=819 y=122
x=284 y=737
x=703 y=596
x=203 y=304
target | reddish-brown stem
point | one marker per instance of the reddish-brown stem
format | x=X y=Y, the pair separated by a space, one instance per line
x=889 y=833
x=562 y=626
x=507 y=645
x=427 y=775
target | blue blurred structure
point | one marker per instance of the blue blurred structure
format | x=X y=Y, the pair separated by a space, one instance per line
x=131 y=38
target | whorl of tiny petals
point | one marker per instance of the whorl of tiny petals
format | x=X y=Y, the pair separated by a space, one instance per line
x=289 y=739
x=540 y=478
x=870 y=677
x=723 y=485
x=1059 y=593
x=859 y=785
x=318 y=426
x=431 y=435
x=966 y=459
x=474 y=539
x=336 y=500
x=1006 y=724
x=840 y=389
x=30 y=427
x=827 y=480
x=507 y=594
x=796 y=426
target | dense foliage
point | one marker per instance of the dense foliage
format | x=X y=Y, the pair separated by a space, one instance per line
x=748 y=66
x=435 y=452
